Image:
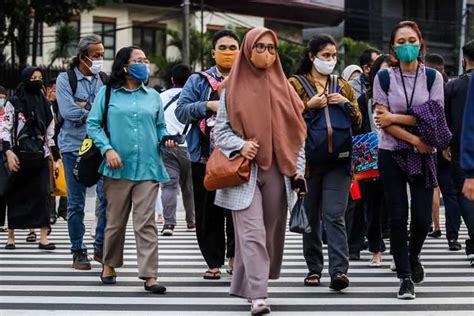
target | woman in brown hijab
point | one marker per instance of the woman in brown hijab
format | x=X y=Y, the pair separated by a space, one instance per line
x=260 y=118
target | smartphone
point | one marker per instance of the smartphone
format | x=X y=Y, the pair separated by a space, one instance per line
x=179 y=139
x=299 y=184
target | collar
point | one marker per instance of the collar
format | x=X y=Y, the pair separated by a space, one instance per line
x=140 y=87
x=80 y=75
x=215 y=71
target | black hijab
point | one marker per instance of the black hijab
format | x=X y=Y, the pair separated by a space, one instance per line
x=31 y=99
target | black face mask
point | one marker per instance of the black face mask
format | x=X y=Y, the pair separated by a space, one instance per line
x=34 y=86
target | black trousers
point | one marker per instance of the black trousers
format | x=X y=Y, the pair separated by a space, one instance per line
x=213 y=223
x=3 y=211
x=372 y=195
x=466 y=205
x=395 y=188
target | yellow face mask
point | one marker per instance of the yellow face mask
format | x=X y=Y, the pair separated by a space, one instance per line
x=225 y=59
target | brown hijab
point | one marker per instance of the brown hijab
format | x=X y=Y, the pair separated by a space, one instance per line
x=262 y=105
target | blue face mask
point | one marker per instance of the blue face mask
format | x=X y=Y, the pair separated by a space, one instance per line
x=139 y=72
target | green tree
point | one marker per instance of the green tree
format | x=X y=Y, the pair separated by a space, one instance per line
x=349 y=51
x=19 y=14
x=66 y=36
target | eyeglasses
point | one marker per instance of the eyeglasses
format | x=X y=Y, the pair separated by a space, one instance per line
x=140 y=61
x=261 y=48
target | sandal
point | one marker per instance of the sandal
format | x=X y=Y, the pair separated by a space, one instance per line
x=312 y=279
x=3 y=229
x=209 y=275
x=10 y=246
x=31 y=237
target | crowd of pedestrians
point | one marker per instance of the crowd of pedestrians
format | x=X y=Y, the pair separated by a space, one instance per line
x=369 y=153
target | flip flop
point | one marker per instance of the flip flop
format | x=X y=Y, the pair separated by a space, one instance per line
x=209 y=275
x=311 y=278
x=31 y=237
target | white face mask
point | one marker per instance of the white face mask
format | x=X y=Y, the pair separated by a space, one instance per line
x=2 y=102
x=97 y=65
x=324 y=67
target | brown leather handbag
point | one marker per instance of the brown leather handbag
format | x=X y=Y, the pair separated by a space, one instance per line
x=223 y=173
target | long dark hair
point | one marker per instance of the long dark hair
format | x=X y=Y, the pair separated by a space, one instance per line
x=393 y=56
x=374 y=69
x=316 y=44
x=117 y=77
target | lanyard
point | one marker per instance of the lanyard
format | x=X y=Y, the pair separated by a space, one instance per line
x=414 y=86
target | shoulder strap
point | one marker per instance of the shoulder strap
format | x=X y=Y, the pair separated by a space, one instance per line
x=333 y=84
x=173 y=99
x=306 y=85
x=71 y=75
x=108 y=91
x=384 y=80
x=430 y=77
x=103 y=77
x=14 y=101
x=212 y=81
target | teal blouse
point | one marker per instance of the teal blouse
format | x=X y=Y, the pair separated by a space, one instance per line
x=136 y=126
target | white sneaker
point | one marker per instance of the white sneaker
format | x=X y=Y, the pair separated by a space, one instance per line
x=259 y=307
x=393 y=267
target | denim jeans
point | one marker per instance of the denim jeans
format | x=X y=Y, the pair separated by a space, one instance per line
x=76 y=200
x=101 y=207
x=450 y=199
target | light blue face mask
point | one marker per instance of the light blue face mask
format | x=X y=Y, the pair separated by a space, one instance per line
x=407 y=52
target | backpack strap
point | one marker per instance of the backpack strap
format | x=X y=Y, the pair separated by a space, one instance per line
x=212 y=81
x=384 y=80
x=332 y=84
x=108 y=92
x=14 y=101
x=173 y=99
x=104 y=77
x=306 y=85
x=71 y=75
x=430 y=77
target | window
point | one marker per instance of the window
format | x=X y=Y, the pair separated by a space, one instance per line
x=105 y=27
x=39 y=45
x=151 y=38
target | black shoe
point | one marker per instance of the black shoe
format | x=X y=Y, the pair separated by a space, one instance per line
x=355 y=256
x=470 y=249
x=98 y=255
x=80 y=261
x=407 y=290
x=52 y=220
x=339 y=282
x=10 y=246
x=167 y=230
x=417 y=271
x=454 y=245
x=63 y=215
x=435 y=234
x=108 y=279
x=155 y=288
x=365 y=245
x=48 y=246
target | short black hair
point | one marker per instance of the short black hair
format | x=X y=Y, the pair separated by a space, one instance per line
x=366 y=56
x=3 y=90
x=223 y=33
x=468 y=50
x=51 y=82
x=180 y=74
x=434 y=59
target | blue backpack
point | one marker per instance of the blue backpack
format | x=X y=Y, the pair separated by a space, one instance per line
x=329 y=133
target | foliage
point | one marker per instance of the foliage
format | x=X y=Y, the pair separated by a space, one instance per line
x=349 y=51
x=19 y=13
x=65 y=37
x=290 y=56
x=164 y=66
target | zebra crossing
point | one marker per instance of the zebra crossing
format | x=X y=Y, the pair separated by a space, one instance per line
x=35 y=282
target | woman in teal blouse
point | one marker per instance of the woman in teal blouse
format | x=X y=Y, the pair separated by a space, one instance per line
x=133 y=165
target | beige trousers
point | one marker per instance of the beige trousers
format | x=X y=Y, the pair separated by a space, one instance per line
x=121 y=196
x=260 y=237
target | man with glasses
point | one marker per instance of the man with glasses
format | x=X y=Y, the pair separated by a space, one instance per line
x=76 y=90
x=197 y=105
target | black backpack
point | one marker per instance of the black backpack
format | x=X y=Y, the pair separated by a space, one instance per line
x=71 y=75
x=28 y=145
x=86 y=170
x=329 y=132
